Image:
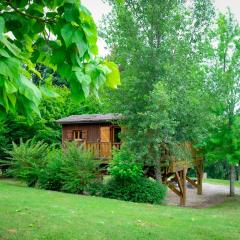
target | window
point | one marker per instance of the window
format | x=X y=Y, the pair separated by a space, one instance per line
x=78 y=135
x=116 y=135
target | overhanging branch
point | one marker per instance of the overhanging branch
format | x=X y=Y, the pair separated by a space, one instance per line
x=28 y=15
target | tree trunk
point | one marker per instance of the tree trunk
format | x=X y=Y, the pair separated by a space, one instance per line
x=239 y=170
x=232 y=180
x=158 y=174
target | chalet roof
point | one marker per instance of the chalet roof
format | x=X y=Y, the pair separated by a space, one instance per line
x=90 y=118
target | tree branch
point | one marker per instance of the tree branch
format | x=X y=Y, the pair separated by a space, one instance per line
x=28 y=15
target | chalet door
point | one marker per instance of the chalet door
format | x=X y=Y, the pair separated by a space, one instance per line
x=105 y=146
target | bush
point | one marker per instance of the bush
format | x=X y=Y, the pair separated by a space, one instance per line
x=124 y=164
x=27 y=160
x=142 y=190
x=94 y=188
x=70 y=170
x=127 y=182
x=79 y=168
x=51 y=177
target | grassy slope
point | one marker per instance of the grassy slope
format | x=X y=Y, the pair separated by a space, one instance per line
x=27 y=213
x=220 y=182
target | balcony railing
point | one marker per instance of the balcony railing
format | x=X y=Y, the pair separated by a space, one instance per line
x=100 y=150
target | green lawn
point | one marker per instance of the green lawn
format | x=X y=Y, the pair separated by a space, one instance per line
x=27 y=213
x=220 y=182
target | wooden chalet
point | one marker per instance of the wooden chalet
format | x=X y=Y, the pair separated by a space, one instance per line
x=99 y=133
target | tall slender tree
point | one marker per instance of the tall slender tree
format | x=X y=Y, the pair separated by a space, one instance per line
x=163 y=95
x=223 y=78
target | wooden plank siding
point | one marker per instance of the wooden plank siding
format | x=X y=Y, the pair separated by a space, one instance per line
x=93 y=131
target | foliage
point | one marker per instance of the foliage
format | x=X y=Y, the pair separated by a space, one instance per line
x=26 y=160
x=223 y=77
x=4 y=141
x=163 y=97
x=51 y=177
x=124 y=164
x=95 y=188
x=181 y=152
x=70 y=170
x=217 y=169
x=78 y=170
x=141 y=190
x=61 y=35
x=45 y=128
x=224 y=144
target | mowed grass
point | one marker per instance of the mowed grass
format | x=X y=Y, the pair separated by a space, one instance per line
x=28 y=213
x=220 y=182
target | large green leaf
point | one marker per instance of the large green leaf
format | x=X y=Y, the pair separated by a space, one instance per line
x=113 y=77
x=9 y=86
x=11 y=47
x=4 y=53
x=29 y=90
x=71 y=12
x=83 y=79
x=67 y=33
x=9 y=67
x=2 y=24
x=80 y=40
x=58 y=55
x=20 y=3
x=36 y=9
x=77 y=93
x=64 y=70
x=48 y=92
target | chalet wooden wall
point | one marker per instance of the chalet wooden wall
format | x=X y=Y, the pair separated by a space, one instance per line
x=93 y=131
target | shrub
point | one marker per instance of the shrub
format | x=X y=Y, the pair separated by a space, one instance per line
x=124 y=164
x=142 y=190
x=79 y=168
x=51 y=177
x=27 y=160
x=94 y=188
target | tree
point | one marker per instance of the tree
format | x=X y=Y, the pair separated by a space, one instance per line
x=44 y=128
x=162 y=97
x=58 y=34
x=223 y=77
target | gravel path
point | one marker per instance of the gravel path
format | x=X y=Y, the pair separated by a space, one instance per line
x=212 y=195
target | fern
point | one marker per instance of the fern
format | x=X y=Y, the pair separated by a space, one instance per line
x=26 y=160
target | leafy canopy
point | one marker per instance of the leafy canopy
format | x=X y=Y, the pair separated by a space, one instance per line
x=59 y=34
x=163 y=98
x=223 y=78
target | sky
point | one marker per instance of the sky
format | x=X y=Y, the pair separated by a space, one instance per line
x=98 y=8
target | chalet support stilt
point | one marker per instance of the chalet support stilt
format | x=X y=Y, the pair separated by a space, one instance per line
x=183 y=174
x=178 y=178
x=199 y=170
x=193 y=182
x=197 y=183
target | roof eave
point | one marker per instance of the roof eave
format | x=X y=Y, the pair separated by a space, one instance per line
x=84 y=122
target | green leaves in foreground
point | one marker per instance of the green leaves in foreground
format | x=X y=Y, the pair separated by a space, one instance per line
x=60 y=35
